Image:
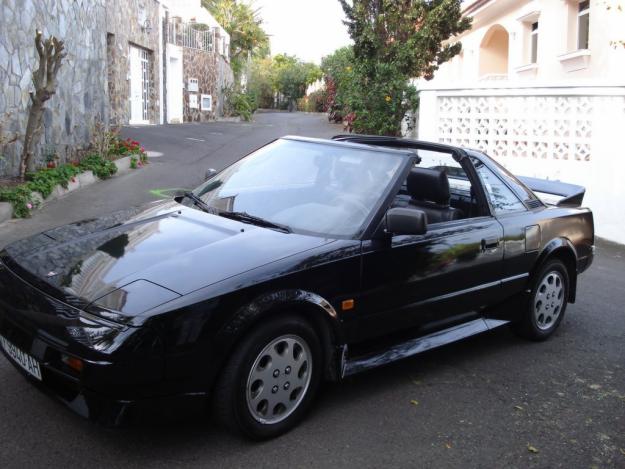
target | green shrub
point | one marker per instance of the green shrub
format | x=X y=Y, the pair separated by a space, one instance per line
x=45 y=180
x=314 y=102
x=239 y=104
x=21 y=199
x=101 y=167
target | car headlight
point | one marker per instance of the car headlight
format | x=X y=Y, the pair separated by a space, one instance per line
x=97 y=333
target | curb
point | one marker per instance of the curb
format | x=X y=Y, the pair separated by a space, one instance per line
x=83 y=179
x=6 y=211
x=123 y=164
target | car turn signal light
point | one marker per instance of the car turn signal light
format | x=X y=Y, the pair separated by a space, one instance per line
x=346 y=305
x=74 y=363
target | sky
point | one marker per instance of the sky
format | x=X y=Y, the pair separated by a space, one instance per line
x=309 y=29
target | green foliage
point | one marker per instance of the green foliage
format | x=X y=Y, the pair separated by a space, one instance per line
x=380 y=98
x=338 y=70
x=291 y=76
x=45 y=180
x=260 y=82
x=409 y=34
x=393 y=43
x=243 y=23
x=239 y=104
x=21 y=199
x=314 y=102
x=283 y=74
x=101 y=167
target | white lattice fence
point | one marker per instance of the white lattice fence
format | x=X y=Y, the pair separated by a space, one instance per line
x=533 y=127
x=572 y=134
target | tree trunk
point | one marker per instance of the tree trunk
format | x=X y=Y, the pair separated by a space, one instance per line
x=51 y=53
x=31 y=137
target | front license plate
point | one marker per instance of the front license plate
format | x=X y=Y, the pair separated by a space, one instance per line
x=21 y=358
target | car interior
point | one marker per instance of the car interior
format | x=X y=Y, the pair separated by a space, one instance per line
x=439 y=187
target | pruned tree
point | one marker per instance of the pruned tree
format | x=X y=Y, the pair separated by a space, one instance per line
x=51 y=53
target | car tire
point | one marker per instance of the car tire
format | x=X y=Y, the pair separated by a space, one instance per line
x=271 y=379
x=547 y=302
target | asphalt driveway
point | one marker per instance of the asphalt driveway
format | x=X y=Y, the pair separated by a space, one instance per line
x=490 y=401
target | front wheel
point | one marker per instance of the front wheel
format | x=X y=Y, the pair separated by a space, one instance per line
x=270 y=380
x=548 y=300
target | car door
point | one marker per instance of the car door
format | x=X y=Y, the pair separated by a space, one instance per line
x=444 y=276
x=429 y=281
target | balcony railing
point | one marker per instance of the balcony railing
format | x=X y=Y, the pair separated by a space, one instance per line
x=186 y=35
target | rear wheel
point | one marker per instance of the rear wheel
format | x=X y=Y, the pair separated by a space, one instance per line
x=548 y=302
x=270 y=380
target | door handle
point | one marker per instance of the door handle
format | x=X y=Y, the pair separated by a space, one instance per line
x=489 y=243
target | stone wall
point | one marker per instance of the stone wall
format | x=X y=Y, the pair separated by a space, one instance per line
x=225 y=79
x=126 y=21
x=203 y=66
x=81 y=98
x=213 y=74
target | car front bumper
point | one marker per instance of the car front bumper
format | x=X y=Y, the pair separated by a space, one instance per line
x=121 y=369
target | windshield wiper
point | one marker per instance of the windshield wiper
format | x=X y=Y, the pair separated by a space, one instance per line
x=254 y=220
x=200 y=203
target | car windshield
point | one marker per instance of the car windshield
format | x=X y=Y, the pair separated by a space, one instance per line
x=310 y=187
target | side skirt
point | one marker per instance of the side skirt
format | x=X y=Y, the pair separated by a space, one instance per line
x=412 y=347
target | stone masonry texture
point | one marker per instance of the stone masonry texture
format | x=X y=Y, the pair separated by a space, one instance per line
x=125 y=26
x=81 y=97
x=94 y=83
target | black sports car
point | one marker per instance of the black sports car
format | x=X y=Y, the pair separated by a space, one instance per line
x=306 y=260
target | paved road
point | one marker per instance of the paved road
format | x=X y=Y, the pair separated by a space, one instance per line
x=479 y=403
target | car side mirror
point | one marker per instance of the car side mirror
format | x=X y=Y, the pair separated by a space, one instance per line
x=210 y=172
x=405 y=221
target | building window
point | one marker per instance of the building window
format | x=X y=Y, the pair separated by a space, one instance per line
x=207 y=102
x=529 y=30
x=534 y=43
x=583 y=24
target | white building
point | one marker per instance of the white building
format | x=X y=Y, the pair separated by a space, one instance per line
x=540 y=86
x=197 y=50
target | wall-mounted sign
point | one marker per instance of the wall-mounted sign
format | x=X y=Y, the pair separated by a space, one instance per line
x=193 y=101
x=193 y=85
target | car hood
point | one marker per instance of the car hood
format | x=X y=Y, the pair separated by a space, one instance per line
x=135 y=259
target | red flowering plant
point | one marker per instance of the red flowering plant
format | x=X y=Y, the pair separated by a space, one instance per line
x=127 y=147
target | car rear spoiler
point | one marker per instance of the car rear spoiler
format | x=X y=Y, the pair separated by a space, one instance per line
x=572 y=195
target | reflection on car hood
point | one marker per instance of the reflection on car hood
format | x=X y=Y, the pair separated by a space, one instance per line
x=176 y=247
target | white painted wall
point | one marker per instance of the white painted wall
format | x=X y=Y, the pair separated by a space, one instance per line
x=560 y=118
x=175 y=84
x=572 y=134
x=559 y=62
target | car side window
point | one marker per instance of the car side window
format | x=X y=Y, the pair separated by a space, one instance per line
x=440 y=187
x=502 y=199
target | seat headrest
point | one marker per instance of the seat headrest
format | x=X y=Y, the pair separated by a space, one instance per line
x=429 y=184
